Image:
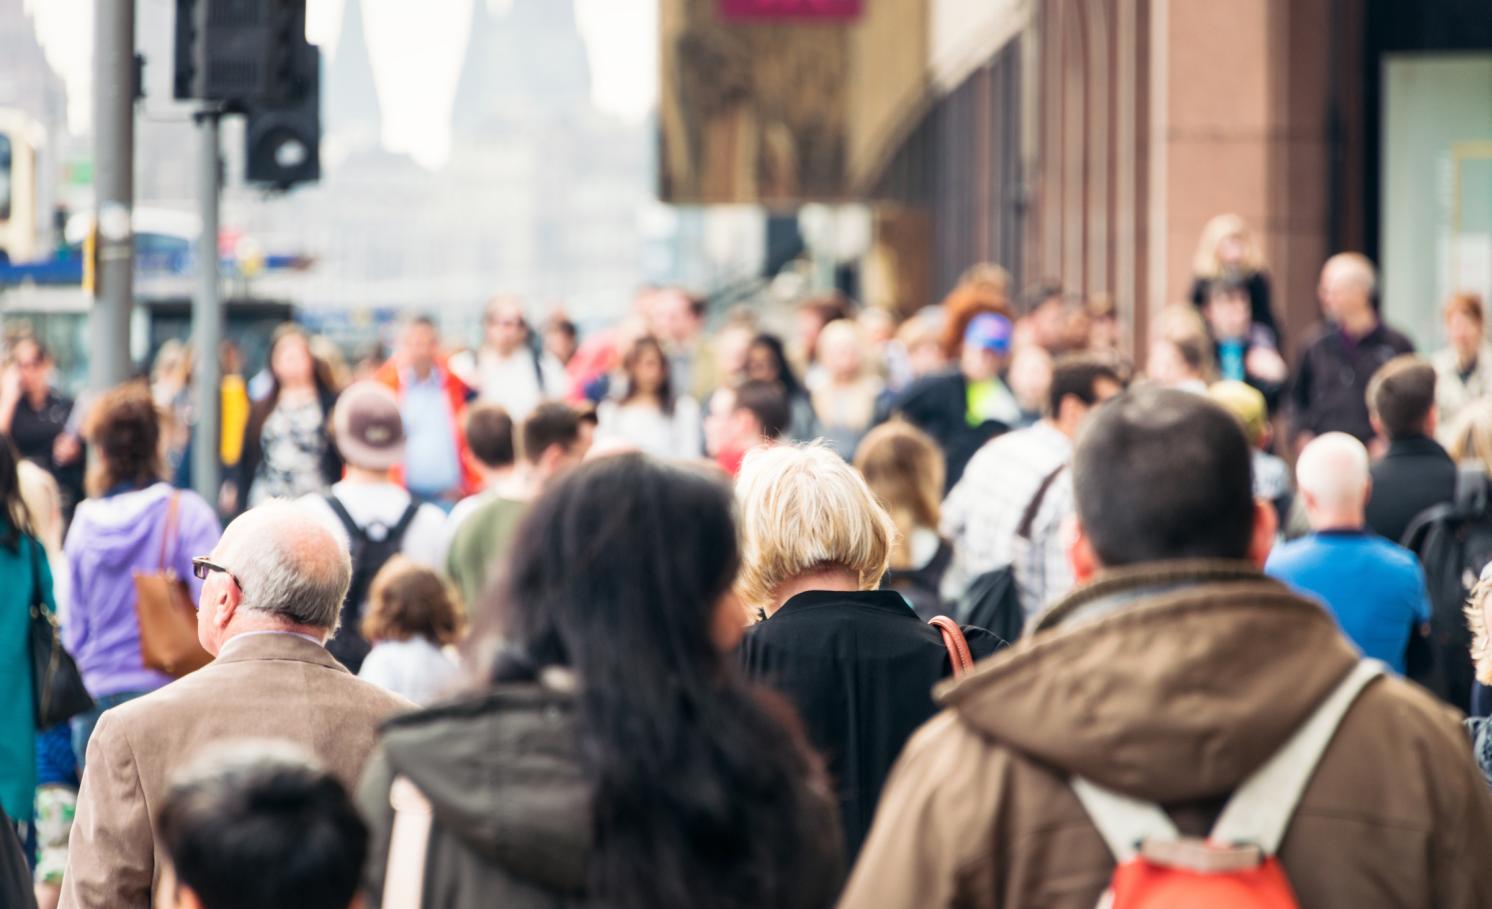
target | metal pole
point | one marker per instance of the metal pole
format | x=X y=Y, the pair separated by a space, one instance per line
x=207 y=316
x=114 y=190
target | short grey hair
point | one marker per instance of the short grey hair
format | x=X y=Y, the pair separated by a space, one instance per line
x=289 y=565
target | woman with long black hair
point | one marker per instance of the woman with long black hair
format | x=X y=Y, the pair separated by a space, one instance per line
x=613 y=757
x=647 y=414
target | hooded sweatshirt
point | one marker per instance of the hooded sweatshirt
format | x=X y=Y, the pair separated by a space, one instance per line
x=111 y=538
x=1172 y=683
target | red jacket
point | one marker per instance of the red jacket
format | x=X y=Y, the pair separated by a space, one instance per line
x=458 y=394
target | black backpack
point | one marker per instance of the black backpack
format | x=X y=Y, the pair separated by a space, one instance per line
x=371 y=546
x=1453 y=542
x=992 y=600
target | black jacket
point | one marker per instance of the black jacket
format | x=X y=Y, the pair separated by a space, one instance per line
x=1413 y=475
x=860 y=668
x=939 y=406
x=1329 y=392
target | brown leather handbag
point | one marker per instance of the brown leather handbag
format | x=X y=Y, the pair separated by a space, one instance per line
x=957 y=644
x=163 y=605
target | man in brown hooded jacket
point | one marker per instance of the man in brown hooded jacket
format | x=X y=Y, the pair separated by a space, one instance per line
x=1170 y=676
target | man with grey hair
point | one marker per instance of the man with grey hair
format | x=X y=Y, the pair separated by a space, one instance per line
x=1329 y=392
x=1374 y=588
x=271 y=595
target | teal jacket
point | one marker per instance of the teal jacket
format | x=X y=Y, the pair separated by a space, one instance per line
x=17 y=715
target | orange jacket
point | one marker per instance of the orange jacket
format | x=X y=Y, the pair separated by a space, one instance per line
x=458 y=394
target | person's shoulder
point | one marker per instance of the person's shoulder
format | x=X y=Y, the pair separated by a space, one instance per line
x=1290 y=554
x=429 y=515
x=1318 y=336
x=1393 y=556
x=1397 y=339
x=1416 y=717
x=372 y=700
x=195 y=506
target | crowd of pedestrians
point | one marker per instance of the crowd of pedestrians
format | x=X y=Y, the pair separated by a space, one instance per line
x=955 y=610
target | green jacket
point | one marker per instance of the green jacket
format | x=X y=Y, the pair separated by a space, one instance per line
x=17 y=714
x=480 y=544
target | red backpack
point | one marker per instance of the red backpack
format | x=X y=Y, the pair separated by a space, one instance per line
x=1236 y=867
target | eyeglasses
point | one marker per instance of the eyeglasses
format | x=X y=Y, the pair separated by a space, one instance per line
x=202 y=566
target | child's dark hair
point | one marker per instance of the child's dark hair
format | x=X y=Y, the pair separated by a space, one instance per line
x=408 y=600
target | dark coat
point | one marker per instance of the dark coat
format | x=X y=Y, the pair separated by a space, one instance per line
x=1329 y=391
x=860 y=668
x=1412 y=476
x=939 y=406
x=511 y=804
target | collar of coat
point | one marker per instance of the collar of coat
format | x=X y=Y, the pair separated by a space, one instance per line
x=1170 y=681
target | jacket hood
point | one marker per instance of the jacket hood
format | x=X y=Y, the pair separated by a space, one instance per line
x=502 y=773
x=117 y=527
x=1168 y=682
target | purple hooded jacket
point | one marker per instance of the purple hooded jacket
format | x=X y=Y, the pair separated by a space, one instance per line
x=110 y=539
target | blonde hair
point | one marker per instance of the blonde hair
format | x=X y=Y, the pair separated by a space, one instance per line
x=43 y=503
x=904 y=468
x=1476 y=619
x=1473 y=435
x=803 y=509
x=1206 y=265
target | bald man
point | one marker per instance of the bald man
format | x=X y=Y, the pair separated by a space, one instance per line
x=1329 y=391
x=271 y=595
x=1374 y=588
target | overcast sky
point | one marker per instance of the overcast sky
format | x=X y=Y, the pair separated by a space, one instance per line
x=416 y=49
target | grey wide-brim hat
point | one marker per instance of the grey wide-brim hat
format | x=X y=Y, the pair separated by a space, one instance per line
x=367 y=427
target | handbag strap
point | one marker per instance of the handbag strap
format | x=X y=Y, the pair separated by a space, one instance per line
x=409 y=846
x=168 y=536
x=35 y=544
x=957 y=644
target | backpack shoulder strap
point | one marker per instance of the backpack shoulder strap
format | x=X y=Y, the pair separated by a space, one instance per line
x=396 y=534
x=1123 y=822
x=340 y=510
x=1028 y=517
x=1259 y=811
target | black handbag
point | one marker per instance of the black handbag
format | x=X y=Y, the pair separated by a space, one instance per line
x=57 y=690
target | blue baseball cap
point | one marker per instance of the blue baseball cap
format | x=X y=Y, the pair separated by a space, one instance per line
x=989 y=331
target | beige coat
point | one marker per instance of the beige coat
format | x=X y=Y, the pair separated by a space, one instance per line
x=1172 y=684
x=269 y=686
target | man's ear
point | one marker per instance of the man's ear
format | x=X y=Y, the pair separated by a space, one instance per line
x=1080 y=555
x=1377 y=425
x=1266 y=525
x=227 y=605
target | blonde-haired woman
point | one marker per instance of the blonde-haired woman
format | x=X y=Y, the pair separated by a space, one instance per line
x=1479 y=617
x=855 y=660
x=904 y=468
x=1228 y=247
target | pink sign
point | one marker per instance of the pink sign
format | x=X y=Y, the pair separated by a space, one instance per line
x=790 y=9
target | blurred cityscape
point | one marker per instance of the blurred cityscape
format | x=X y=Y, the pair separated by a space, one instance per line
x=877 y=148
